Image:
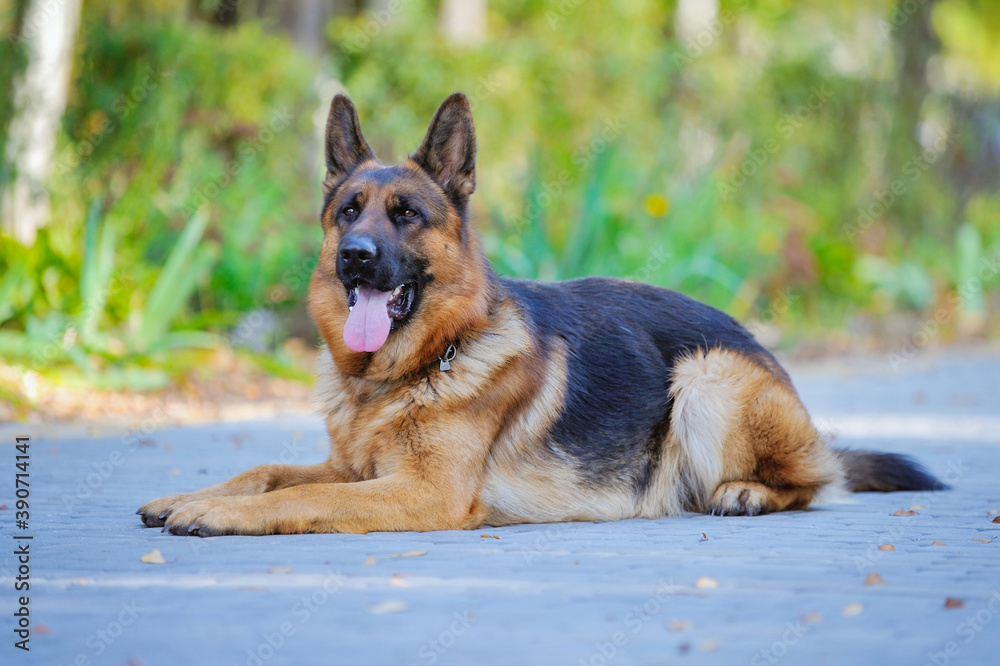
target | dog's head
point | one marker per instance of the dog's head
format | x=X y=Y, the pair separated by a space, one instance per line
x=400 y=273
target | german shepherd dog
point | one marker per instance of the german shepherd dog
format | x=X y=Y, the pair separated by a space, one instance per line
x=456 y=399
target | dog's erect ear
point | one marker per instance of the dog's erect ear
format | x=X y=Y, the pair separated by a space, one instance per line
x=346 y=148
x=448 y=152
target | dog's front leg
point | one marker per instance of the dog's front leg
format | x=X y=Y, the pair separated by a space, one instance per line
x=262 y=479
x=392 y=503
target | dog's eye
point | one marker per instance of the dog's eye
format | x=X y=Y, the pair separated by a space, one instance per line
x=349 y=211
x=409 y=214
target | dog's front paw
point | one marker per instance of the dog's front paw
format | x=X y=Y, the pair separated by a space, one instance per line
x=740 y=498
x=154 y=513
x=215 y=517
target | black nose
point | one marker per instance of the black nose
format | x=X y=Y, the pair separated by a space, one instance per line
x=357 y=250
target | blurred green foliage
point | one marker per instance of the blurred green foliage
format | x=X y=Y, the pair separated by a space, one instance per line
x=767 y=134
x=187 y=145
x=784 y=153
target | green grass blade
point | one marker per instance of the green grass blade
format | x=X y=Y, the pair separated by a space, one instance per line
x=175 y=283
x=969 y=256
x=12 y=277
x=592 y=220
x=88 y=269
x=99 y=263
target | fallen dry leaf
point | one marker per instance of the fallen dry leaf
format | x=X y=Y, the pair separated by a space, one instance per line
x=281 y=570
x=679 y=625
x=370 y=562
x=811 y=618
x=704 y=537
x=952 y=602
x=709 y=645
x=995 y=520
x=387 y=607
x=887 y=546
x=41 y=629
x=983 y=540
x=706 y=583
x=992 y=512
x=410 y=553
x=154 y=557
x=904 y=512
x=397 y=580
x=874 y=579
x=2 y=507
x=852 y=609
x=937 y=543
x=489 y=536
x=917 y=507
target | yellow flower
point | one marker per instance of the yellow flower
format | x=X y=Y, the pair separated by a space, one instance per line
x=767 y=243
x=657 y=205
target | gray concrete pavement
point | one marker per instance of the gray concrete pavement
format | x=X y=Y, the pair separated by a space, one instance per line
x=786 y=588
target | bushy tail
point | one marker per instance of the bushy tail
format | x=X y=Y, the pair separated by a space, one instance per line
x=871 y=471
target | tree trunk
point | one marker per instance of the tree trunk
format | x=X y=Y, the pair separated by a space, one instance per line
x=47 y=35
x=463 y=21
x=915 y=44
x=693 y=18
x=305 y=21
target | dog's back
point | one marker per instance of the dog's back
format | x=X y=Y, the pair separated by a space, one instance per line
x=664 y=405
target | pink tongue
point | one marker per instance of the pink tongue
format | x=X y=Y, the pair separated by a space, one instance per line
x=368 y=323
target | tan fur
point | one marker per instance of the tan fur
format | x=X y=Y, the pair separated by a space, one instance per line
x=735 y=421
x=415 y=448
x=526 y=481
x=470 y=447
x=458 y=301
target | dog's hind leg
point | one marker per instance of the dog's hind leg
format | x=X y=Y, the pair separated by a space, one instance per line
x=747 y=443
